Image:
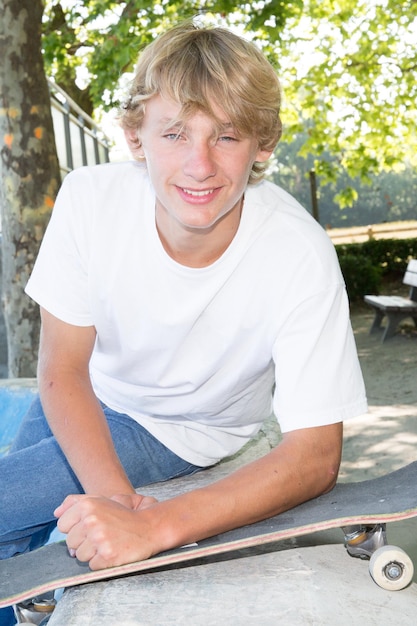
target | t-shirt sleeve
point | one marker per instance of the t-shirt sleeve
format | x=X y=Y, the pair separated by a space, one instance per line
x=318 y=376
x=59 y=280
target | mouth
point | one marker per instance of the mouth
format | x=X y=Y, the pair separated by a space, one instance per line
x=197 y=194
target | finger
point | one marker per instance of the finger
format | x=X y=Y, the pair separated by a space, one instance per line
x=81 y=541
x=92 y=539
x=84 y=551
x=99 y=562
x=72 y=514
x=67 y=504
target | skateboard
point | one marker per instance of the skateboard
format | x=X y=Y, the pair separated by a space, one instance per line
x=361 y=509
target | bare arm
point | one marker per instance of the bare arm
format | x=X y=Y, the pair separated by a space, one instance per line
x=304 y=465
x=71 y=407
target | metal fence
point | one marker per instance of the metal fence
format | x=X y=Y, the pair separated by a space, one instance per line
x=79 y=141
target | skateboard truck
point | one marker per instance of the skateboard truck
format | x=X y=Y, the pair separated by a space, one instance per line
x=390 y=567
x=36 y=611
x=362 y=541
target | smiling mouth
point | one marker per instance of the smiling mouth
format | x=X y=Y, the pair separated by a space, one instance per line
x=198 y=194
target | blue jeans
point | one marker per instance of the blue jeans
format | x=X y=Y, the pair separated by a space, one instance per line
x=35 y=476
x=7 y=617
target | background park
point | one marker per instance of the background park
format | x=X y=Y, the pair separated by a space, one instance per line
x=349 y=154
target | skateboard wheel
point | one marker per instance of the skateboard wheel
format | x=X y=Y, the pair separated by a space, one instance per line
x=391 y=568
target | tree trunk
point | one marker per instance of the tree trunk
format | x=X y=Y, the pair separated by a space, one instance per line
x=29 y=172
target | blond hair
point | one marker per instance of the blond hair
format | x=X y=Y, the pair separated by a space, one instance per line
x=196 y=66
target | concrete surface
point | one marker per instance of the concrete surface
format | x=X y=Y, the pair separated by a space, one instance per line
x=313 y=585
x=311 y=580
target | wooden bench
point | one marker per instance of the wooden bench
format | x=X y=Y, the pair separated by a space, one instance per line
x=395 y=308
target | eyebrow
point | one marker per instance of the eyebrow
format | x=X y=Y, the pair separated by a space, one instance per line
x=226 y=126
x=167 y=123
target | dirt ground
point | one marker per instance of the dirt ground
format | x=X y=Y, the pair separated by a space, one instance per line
x=386 y=438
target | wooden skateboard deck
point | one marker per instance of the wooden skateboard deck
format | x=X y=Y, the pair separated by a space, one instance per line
x=389 y=498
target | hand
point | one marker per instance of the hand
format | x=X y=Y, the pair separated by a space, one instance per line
x=134 y=501
x=107 y=532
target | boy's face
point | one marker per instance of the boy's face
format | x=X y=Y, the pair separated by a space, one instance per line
x=199 y=174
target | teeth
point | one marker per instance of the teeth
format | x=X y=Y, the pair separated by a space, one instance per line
x=207 y=192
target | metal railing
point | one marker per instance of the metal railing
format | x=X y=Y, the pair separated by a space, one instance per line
x=79 y=141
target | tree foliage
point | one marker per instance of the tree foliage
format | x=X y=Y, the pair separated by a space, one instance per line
x=358 y=87
x=386 y=196
x=102 y=38
x=348 y=67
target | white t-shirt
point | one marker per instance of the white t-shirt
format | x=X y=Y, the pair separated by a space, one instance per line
x=193 y=354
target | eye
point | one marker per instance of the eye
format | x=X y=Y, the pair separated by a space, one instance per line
x=226 y=139
x=172 y=136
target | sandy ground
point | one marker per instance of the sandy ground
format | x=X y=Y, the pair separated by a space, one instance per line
x=386 y=438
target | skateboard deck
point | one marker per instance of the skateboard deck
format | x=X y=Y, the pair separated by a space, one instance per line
x=389 y=498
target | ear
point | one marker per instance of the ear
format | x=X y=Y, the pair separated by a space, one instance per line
x=133 y=141
x=263 y=155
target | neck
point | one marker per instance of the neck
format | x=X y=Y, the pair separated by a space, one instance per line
x=195 y=247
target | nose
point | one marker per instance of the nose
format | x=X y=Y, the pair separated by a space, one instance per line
x=199 y=163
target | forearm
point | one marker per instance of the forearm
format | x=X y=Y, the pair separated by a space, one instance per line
x=105 y=533
x=79 y=425
x=294 y=472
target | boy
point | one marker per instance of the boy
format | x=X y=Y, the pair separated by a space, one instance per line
x=180 y=296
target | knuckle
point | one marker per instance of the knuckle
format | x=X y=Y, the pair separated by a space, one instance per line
x=91 y=521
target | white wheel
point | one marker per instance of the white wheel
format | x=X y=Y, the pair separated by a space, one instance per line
x=391 y=568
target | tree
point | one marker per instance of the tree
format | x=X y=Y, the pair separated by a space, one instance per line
x=102 y=38
x=351 y=70
x=29 y=171
x=389 y=197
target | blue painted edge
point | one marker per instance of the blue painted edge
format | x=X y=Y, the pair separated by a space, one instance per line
x=15 y=400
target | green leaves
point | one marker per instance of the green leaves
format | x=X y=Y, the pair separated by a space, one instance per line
x=348 y=67
x=101 y=39
x=357 y=85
